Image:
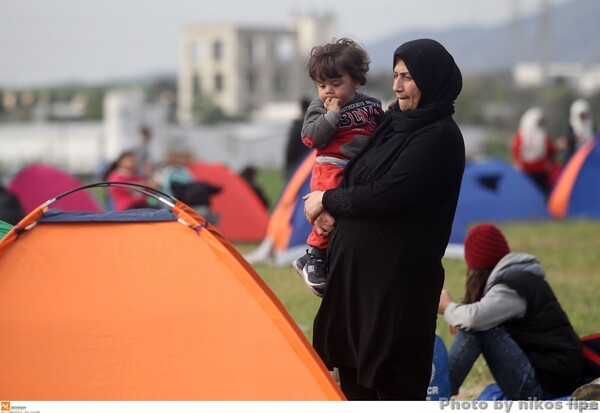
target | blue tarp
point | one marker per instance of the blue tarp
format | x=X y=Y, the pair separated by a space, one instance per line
x=131 y=215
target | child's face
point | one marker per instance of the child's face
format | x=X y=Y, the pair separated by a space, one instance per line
x=342 y=88
x=127 y=163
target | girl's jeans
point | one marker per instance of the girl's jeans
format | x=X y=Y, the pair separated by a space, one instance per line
x=509 y=365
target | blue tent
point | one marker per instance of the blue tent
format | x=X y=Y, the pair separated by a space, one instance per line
x=288 y=228
x=493 y=191
x=576 y=193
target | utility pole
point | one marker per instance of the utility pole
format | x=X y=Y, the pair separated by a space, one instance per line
x=545 y=37
x=515 y=37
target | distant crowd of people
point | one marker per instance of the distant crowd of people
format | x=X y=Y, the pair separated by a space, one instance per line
x=538 y=155
x=135 y=166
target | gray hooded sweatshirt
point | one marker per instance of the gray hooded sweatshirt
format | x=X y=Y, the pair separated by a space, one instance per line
x=499 y=303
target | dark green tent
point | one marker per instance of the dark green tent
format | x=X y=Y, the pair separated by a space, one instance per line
x=4 y=228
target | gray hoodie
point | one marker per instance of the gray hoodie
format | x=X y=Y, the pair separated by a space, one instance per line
x=499 y=302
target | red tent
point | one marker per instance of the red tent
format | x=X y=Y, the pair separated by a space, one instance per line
x=242 y=216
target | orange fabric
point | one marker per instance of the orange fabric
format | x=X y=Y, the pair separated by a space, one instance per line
x=558 y=202
x=146 y=311
x=30 y=219
x=279 y=228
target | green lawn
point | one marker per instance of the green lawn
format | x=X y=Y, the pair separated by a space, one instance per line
x=569 y=251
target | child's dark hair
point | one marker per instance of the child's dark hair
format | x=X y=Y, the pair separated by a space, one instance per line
x=333 y=59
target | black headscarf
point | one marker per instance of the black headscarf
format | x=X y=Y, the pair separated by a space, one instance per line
x=438 y=78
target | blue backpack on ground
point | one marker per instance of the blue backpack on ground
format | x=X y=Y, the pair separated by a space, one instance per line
x=439 y=386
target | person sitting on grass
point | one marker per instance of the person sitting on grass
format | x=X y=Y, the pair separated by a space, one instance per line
x=510 y=316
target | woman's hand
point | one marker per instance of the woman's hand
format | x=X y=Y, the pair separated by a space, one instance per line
x=445 y=300
x=324 y=223
x=313 y=205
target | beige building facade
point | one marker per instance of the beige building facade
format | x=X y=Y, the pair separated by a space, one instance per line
x=242 y=69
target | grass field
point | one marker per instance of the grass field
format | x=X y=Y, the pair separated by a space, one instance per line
x=568 y=250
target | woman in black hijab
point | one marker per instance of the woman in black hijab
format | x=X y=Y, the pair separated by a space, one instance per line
x=393 y=216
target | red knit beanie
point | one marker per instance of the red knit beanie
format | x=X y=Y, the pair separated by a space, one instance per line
x=485 y=246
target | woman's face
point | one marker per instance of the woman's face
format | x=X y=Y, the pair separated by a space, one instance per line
x=406 y=89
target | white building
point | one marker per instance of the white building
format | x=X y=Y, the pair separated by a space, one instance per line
x=584 y=78
x=242 y=69
x=126 y=111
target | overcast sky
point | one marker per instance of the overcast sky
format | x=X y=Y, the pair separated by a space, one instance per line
x=45 y=41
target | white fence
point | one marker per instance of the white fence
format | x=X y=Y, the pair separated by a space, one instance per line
x=80 y=147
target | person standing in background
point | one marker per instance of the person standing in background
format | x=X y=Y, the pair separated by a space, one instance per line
x=142 y=154
x=249 y=174
x=580 y=129
x=533 y=150
x=123 y=169
x=295 y=150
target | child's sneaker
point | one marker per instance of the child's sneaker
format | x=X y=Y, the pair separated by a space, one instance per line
x=317 y=291
x=299 y=265
x=315 y=269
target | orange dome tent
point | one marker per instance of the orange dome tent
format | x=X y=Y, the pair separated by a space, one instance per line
x=143 y=305
x=288 y=229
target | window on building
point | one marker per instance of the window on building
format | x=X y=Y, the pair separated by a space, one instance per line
x=251 y=81
x=250 y=48
x=197 y=52
x=279 y=83
x=219 y=82
x=218 y=50
x=284 y=49
x=196 y=85
x=258 y=50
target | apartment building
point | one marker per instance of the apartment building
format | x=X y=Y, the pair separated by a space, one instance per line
x=241 y=69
